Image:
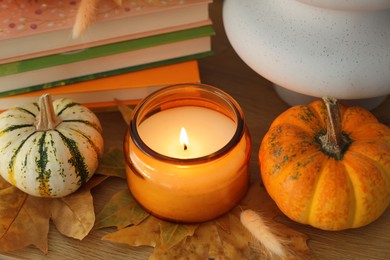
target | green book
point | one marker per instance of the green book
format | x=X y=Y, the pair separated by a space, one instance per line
x=103 y=50
x=56 y=70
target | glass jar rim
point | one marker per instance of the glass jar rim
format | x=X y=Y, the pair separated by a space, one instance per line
x=223 y=96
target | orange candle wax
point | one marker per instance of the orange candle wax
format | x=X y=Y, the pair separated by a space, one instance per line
x=197 y=179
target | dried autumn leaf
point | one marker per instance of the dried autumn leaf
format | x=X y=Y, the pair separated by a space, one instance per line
x=147 y=233
x=207 y=241
x=121 y=211
x=24 y=220
x=112 y=164
x=152 y=232
x=223 y=238
x=203 y=244
x=3 y=183
x=171 y=233
x=74 y=215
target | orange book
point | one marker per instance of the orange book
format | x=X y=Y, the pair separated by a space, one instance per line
x=128 y=87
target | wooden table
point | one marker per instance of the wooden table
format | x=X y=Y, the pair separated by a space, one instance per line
x=261 y=106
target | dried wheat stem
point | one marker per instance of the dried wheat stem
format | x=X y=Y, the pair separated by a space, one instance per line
x=262 y=232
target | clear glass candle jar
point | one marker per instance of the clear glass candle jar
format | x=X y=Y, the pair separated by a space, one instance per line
x=195 y=181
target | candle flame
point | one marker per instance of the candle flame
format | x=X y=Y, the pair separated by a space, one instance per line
x=183 y=138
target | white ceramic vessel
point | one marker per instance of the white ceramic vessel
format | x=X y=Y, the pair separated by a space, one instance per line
x=338 y=48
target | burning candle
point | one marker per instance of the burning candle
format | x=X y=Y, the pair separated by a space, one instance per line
x=187 y=151
x=172 y=139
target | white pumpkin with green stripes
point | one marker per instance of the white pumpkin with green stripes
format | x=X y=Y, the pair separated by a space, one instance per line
x=49 y=149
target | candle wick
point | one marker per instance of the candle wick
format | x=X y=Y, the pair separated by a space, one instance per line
x=185 y=147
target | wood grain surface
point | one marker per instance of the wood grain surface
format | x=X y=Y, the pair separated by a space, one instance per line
x=261 y=106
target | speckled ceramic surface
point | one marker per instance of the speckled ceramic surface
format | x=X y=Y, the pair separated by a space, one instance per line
x=311 y=50
x=361 y=5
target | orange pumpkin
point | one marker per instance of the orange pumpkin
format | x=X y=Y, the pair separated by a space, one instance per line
x=331 y=174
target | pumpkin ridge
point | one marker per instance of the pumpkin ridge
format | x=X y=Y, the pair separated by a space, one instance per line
x=297 y=165
x=94 y=126
x=319 y=110
x=25 y=111
x=374 y=162
x=370 y=130
x=77 y=160
x=315 y=194
x=12 y=160
x=14 y=127
x=361 y=144
x=307 y=120
x=381 y=171
x=353 y=197
x=69 y=105
x=41 y=163
x=89 y=140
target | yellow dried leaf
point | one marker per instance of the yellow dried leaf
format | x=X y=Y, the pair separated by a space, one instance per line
x=121 y=211
x=147 y=233
x=74 y=215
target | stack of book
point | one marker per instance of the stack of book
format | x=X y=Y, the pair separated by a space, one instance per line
x=127 y=52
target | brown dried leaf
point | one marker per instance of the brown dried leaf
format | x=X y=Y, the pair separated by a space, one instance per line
x=204 y=244
x=3 y=183
x=223 y=238
x=24 y=220
x=112 y=164
x=147 y=233
x=171 y=233
x=121 y=211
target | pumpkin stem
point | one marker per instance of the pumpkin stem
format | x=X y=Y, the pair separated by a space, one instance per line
x=333 y=142
x=46 y=119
